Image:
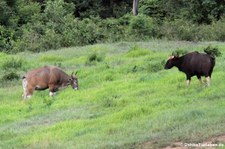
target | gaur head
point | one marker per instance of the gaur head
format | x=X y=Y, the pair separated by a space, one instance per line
x=73 y=81
x=171 y=62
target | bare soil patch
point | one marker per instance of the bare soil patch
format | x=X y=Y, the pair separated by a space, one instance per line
x=211 y=143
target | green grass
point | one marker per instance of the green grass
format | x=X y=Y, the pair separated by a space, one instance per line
x=125 y=99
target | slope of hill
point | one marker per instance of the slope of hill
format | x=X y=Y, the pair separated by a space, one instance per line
x=126 y=98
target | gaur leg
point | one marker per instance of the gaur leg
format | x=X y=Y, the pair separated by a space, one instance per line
x=208 y=80
x=200 y=79
x=24 y=83
x=52 y=90
x=52 y=94
x=208 y=77
x=30 y=90
x=188 y=80
x=27 y=91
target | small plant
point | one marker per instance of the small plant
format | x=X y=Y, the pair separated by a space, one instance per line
x=10 y=76
x=93 y=58
x=213 y=51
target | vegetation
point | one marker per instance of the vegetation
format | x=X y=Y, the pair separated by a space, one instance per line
x=126 y=99
x=41 y=25
x=212 y=51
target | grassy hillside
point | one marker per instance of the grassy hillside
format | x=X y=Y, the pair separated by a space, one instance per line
x=126 y=99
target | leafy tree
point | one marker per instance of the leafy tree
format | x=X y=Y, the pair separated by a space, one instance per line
x=204 y=11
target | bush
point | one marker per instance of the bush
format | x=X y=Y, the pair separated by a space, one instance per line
x=219 y=29
x=30 y=41
x=187 y=30
x=213 y=32
x=94 y=58
x=141 y=27
x=9 y=76
x=115 y=29
x=180 y=30
x=6 y=36
x=213 y=51
x=10 y=67
x=58 y=28
x=51 y=40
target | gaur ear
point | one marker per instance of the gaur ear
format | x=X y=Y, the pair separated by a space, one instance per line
x=171 y=56
x=76 y=72
x=74 y=76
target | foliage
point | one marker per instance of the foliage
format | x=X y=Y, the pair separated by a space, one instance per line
x=94 y=58
x=212 y=51
x=10 y=68
x=141 y=26
x=9 y=76
x=41 y=25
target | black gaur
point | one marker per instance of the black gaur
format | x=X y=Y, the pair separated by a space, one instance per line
x=193 y=64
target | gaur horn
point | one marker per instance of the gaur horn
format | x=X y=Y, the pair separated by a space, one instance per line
x=72 y=74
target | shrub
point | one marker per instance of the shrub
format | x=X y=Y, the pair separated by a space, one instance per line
x=219 y=29
x=180 y=30
x=5 y=35
x=51 y=40
x=212 y=51
x=9 y=76
x=10 y=67
x=94 y=58
x=115 y=29
x=141 y=27
x=30 y=41
x=90 y=31
x=71 y=32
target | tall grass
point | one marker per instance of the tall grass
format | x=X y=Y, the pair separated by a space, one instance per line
x=124 y=100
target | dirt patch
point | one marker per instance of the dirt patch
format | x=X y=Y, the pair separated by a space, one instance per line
x=211 y=143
